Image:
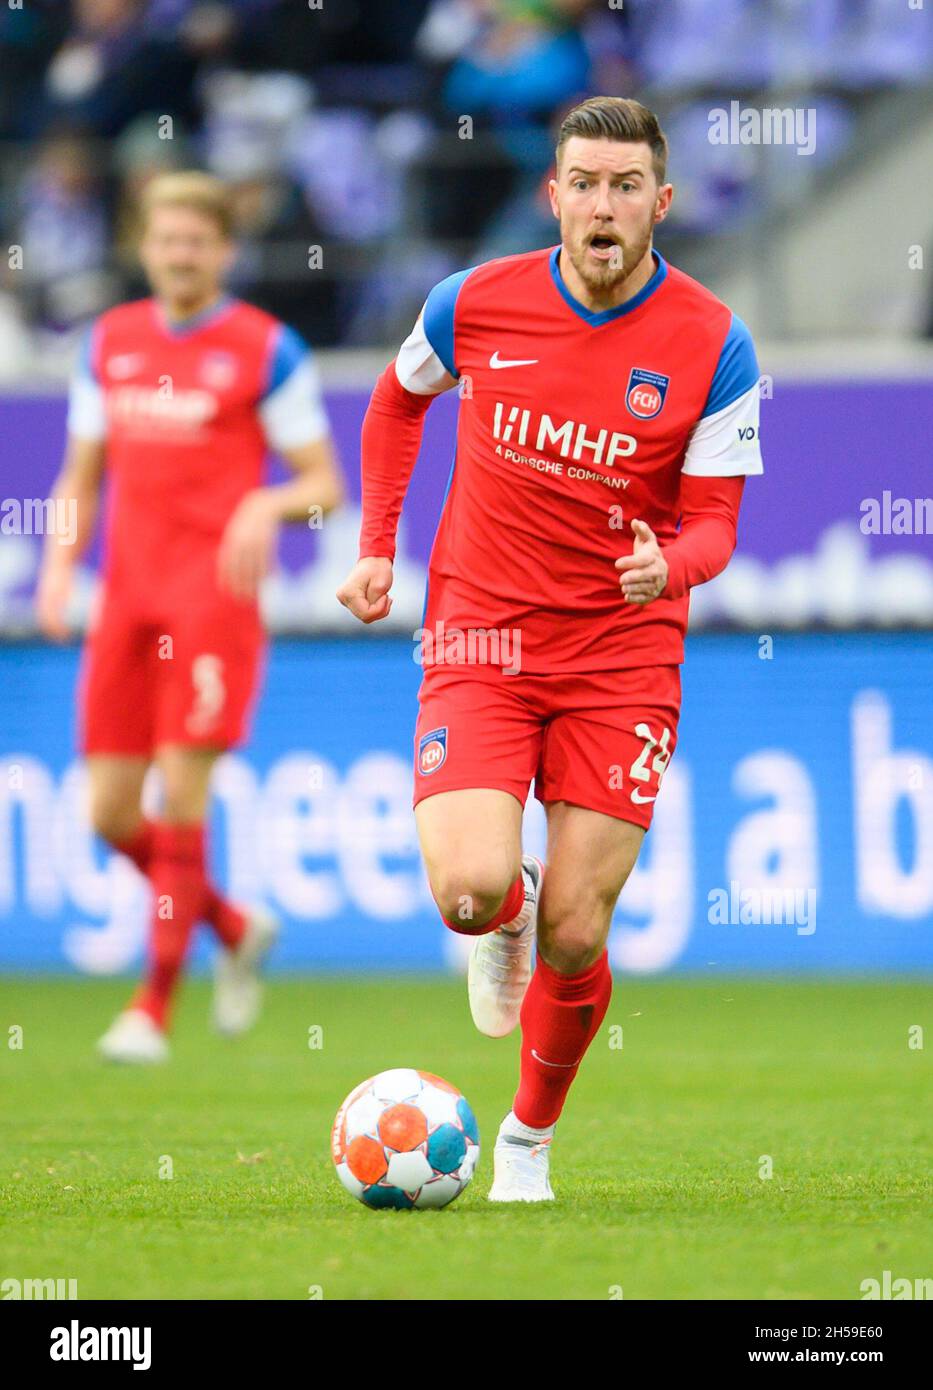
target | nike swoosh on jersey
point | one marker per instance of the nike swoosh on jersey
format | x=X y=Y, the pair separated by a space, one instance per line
x=497 y=361
x=637 y=796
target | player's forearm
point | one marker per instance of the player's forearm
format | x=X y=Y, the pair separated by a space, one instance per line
x=709 y=518
x=313 y=492
x=390 y=443
x=75 y=503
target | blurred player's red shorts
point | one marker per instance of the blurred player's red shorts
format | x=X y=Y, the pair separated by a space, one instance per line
x=189 y=679
x=601 y=740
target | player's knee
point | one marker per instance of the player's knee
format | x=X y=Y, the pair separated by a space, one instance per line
x=186 y=780
x=469 y=897
x=183 y=804
x=182 y=811
x=111 y=819
x=572 y=932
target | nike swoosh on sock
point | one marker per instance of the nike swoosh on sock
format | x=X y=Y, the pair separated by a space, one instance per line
x=538 y=1058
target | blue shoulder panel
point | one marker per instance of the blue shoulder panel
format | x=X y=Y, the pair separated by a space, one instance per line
x=85 y=363
x=736 y=371
x=439 y=317
x=289 y=350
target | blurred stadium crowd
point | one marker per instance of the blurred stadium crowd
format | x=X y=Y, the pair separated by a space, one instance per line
x=341 y=125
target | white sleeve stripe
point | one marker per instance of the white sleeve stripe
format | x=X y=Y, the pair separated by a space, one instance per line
x=418 y=367
x=87 y=416
x=726 y=444
x=293 y=414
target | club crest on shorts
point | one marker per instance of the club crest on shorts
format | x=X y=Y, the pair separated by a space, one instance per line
x=432 y=751
x=645 y=393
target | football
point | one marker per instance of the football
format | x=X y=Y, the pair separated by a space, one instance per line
x=405 y=1138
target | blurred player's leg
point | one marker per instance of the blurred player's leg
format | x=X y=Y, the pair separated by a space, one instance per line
x=186 y=776
x=208 y=694
x=171 y=852
x=590 y=856
x=176 y=872
x=116 y=784
x=246 y=937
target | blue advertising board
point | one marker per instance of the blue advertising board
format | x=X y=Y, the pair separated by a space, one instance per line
x=794 y=830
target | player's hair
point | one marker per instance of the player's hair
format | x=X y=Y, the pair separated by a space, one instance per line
x=616 y=118
x=189 y=189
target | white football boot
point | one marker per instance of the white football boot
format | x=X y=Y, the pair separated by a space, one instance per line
x=237 y=986
x=500 y=961
x=134 y=1037
x=521 y=1162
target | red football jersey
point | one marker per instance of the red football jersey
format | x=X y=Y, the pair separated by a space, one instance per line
x=189 y=412
x=571 y=425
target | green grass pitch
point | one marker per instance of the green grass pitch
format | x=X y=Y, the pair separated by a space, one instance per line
x=656 y=1165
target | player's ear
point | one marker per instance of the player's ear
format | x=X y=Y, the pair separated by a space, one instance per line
x=552 y=195
x=663 y=202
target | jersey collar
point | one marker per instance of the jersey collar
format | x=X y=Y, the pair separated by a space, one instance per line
x=607 y=315
x=179 y=328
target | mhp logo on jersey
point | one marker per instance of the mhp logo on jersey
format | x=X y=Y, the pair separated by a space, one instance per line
x=432 y=751
x=645 y=392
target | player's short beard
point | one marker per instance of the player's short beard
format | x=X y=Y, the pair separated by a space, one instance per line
x=600 y=280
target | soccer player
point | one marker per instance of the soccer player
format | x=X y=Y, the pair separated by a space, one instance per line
x=176 y=402
x=608 y=418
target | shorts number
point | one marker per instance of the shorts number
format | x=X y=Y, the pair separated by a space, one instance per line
x=210 y=692
x=639 y=771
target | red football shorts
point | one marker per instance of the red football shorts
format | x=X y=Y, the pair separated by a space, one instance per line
x=601 y=740
x=189 y=680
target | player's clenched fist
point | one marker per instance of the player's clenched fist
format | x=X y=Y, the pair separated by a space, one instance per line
x=365 y=591
x=644 y=572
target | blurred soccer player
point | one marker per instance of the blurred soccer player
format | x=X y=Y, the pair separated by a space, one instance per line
x=176 y=401
x=608 y=417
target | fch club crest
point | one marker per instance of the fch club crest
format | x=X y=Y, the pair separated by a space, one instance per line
x=432 y=751
x=645 y=393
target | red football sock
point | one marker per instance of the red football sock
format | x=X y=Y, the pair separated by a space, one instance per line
x=511 y=906
x=227 y=921
x=561 y=1015
x=139 y=846
x=176 y=872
